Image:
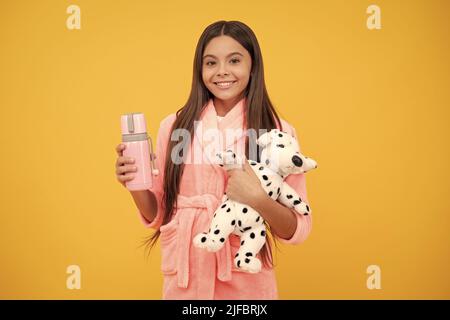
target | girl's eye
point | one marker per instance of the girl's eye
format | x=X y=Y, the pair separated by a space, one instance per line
x=210 y=63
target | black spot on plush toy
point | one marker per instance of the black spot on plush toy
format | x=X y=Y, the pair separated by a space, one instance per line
x=280 y=157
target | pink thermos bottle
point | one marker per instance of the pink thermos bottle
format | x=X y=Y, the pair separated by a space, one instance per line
x=138 y=146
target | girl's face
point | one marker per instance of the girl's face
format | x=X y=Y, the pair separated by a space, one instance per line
x=226 y=61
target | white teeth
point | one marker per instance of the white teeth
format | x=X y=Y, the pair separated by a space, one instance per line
x=224 y=84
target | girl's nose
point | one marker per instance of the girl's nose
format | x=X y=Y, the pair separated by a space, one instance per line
x=222 y=70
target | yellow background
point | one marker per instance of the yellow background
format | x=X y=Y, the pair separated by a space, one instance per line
x=371 y=106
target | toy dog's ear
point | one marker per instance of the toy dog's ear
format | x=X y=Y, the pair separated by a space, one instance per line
x=264 y=139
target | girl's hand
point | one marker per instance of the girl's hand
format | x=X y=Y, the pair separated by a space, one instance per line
x=125 y=167
x=244 y=186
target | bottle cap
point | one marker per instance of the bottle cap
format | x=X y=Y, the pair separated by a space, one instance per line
x=133 y=123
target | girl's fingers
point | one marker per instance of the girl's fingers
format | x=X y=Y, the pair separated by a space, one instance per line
x=119 y=149
x=124 y=169
x=124 y=166
x=124 y=160
x=125 y=178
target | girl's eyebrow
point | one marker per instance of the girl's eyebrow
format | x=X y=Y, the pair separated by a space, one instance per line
x=213 y=56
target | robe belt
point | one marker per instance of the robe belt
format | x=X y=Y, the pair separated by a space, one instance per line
x=186 y=220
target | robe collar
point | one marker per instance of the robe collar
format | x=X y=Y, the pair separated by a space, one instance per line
x=233 y=121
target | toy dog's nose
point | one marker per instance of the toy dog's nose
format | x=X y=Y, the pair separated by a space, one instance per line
x=297 y=161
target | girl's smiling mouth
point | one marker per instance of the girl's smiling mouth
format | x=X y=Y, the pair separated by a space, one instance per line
x=224 y=84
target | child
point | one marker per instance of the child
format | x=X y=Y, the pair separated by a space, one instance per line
x=228 y=93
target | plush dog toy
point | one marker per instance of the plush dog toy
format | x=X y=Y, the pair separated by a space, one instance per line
x=280 y=157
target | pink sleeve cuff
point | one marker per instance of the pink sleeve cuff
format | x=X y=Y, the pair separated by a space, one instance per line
x=156 y=223
x=304 y=226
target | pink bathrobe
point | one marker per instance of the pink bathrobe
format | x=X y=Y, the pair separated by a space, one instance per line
x=192 y=273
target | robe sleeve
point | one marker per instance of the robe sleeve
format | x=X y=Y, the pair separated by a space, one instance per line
x=298 y=183
x=161 y=146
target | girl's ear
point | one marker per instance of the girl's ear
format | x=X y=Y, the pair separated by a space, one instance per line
x=264 y=139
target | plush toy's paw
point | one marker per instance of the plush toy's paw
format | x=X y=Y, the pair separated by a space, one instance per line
x=248 y=264
x=228 y=160
x=227 y=157
x=203 y=241
x=302 y=208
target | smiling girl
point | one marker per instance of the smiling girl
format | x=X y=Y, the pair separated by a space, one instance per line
x=228 y=93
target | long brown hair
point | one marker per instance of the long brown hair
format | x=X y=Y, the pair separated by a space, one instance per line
x=262 y=115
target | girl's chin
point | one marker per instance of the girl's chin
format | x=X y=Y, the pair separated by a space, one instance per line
x=225 y=94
